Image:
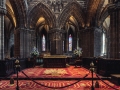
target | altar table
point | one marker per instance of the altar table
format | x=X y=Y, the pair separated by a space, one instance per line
x=54 y=61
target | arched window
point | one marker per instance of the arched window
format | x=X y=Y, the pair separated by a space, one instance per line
x=43 y=43
x=70 y=42
x=103 y=45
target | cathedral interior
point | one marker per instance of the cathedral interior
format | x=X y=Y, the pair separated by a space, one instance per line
x=93 y=25
x=54 y=29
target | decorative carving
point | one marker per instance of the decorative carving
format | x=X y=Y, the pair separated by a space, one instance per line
x=56 y=34
x=3 y=10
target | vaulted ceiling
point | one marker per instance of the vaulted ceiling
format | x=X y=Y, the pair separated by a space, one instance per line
x=54 y=13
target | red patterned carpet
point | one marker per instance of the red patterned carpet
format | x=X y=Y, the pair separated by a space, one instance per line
x=29 y=85
x=69 y=72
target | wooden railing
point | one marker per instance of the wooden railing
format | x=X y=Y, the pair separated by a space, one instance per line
x=104 y=67
x=7 y=66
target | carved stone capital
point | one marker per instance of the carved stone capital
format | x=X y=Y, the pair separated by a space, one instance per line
x=57 y=30
x=3 y=10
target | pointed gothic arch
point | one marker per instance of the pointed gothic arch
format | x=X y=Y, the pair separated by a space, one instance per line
x=105 y=13
x=20 y=10
x=39 y=41
x=11 y=16
x=72 y=9
x=41 y=10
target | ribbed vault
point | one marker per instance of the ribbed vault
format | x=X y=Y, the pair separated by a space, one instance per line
x=20 y=11
x=11 y=16
x=91 y=10
x=72 y=9
x=104 y=14
x=40 y=10
x=26 y=17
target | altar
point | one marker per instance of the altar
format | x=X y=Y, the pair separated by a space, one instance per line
x=54 y=61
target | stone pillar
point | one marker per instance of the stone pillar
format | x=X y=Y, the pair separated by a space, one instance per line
x=2 y=13
x=114 y=32
x=27 y=42
x=17 y=43
x=47 y=43
x=30 y=42
x=56 y=38
x=119 y=33
x=67 y=41
x=87 y=42
x=75 y=42
x=24 y=42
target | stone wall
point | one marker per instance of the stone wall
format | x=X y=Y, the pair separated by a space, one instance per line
x=97 y=42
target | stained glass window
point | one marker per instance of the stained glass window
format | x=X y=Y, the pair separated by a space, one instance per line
x=43 y=43
x=70 y=42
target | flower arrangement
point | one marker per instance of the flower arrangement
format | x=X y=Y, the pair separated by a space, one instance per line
x=34 y=52
x=78 y=51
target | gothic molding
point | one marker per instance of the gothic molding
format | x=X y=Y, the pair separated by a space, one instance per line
x=11 y=16
x=56 y=30
x=105 y=13
x=56 y=33
x=3 y=10
x=20 y=11
x=41 y=10
x=87 y=29
x=72 y=9
x=91 y=11
x=98 y=30
x=98 y=13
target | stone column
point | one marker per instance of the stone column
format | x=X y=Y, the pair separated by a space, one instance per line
x=114 y=32
x=24 y=42
x=27 y=42
x=2 y=13
x=74 y=44
x=87 y=42
x=17 y=43
x=67 y=42
x=119 y=32
x=47 y=43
